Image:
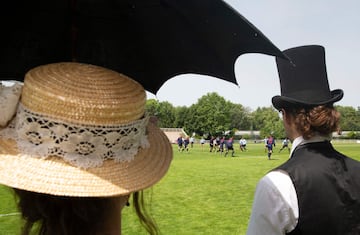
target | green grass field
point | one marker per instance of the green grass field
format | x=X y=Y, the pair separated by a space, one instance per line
x=203 y=192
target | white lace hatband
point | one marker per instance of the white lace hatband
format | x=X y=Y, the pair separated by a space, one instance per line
x=9 y=99
x=84 y=146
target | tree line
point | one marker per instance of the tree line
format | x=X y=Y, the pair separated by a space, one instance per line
x=213 y=115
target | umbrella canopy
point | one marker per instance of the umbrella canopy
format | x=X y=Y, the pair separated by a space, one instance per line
x=148 y=40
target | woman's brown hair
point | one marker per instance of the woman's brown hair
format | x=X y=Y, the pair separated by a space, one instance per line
x=57 y=215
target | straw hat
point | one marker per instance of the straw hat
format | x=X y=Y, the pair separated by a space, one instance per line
x=81 y=130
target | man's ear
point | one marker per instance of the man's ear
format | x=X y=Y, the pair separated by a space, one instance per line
x=286 y=116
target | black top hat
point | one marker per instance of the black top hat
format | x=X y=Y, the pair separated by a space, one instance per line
x=303 y=79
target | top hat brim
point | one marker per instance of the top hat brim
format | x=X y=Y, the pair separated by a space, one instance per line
x=283 y=102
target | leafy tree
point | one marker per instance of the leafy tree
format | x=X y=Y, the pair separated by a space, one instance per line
x=182 y=115
x=259 y=117
x=210 y=115
x=164 y=111
x=213 y=115
x=152 y=107
x=166 y=114
x=350 y=118
x=240 y=118
x=268 y=121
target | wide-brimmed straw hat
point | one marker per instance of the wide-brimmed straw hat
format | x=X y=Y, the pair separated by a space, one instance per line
x=303 y=79
x=80 y=130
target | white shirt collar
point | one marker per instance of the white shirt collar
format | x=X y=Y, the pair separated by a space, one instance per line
x=300 y=140
x=295 y=143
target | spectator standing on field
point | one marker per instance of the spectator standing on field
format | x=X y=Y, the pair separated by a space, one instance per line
x=75 y=146
x=316 y=191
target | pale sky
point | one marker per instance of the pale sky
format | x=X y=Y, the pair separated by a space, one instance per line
x=333 y=24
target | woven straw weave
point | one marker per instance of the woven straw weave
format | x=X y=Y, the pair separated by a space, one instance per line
x=106 y=97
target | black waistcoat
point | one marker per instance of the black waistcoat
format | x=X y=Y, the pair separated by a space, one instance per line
x=327 y=185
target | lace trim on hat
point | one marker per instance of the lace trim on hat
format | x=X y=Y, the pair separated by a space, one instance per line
x=84 y=146
x=9 y=98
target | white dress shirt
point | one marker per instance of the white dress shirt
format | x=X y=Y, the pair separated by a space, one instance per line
x=275 y=208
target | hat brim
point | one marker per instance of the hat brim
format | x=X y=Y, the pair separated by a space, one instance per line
x=283 y=102
x=56 y=177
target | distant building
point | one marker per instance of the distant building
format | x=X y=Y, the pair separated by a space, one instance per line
x=173 y=133
x=253 y=134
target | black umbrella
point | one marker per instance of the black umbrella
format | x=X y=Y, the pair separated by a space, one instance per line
x=148 y=40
